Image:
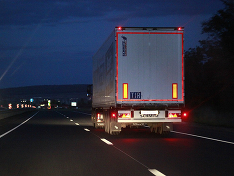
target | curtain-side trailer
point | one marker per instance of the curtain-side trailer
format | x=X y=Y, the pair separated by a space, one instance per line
x=138 y=79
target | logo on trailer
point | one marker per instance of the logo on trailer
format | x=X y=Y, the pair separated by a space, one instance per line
x=124 y=45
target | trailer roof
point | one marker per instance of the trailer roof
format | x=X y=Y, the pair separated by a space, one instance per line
x=151 y=28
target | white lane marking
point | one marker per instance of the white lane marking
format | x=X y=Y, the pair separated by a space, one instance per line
x=106 y=141
x=18 y=126
x=153 y=171
x=77 y=123
x=86 y=129
x=156 y=172
x=204 y=137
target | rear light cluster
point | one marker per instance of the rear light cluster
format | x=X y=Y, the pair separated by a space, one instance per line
x=124 y=115
x=174 y=115
x=100 y=117
x=177 y=114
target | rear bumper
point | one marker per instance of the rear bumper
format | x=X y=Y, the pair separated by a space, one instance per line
x=147 y=120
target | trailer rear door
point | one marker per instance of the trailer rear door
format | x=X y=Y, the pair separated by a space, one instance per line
x=149 y=66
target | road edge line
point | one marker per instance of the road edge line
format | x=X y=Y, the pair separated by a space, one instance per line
x=4 y=134
x=213 y=139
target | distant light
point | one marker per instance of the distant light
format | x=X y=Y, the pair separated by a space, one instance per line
x=10 y=106
x=179 y=29
x=119 y=28
x=73 y=103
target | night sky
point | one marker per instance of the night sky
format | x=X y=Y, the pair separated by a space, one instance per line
x=51 y=42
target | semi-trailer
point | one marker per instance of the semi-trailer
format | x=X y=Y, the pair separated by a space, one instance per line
x=138 y=79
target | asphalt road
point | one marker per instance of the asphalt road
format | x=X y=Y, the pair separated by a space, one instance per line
x=58 y=143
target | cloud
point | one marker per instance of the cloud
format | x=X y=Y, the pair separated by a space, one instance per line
x=27 y=12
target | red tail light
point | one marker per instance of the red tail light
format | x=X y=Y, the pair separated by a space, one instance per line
x=113 y=115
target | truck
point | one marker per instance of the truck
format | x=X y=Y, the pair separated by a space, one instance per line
x=138 y=79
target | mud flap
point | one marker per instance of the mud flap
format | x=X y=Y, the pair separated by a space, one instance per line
x=168 y=126
x=115 y=127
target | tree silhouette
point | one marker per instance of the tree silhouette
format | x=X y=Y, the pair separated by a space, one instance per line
x=209 y=68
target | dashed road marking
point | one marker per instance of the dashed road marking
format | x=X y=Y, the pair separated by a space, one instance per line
x=153 y=171
x=156 y=172
x=106 y=141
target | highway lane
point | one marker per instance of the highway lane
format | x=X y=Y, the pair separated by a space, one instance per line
x=56 y=143
x=179 y=154
x=51 y=144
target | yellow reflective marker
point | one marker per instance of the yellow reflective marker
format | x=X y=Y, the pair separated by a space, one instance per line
x=125 y=90
x=174 y=90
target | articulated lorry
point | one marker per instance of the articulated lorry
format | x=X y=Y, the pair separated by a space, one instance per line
x=138 y=79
